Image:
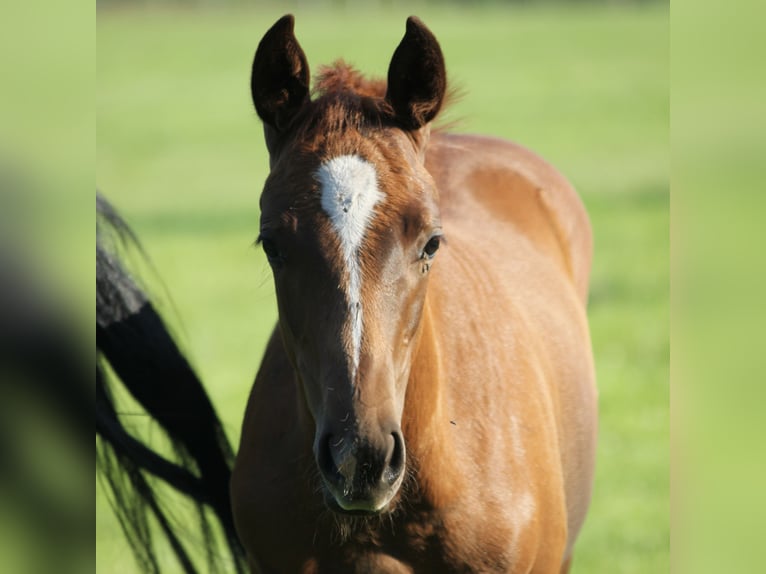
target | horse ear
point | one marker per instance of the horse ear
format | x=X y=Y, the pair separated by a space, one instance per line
x=417 y=78
x=280 y=78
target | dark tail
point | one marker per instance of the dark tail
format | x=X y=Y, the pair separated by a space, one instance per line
x=134 y=341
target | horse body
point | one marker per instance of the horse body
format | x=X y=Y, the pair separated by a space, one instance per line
x=498 y=402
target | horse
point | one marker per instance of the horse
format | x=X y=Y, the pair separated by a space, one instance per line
x=427 y=400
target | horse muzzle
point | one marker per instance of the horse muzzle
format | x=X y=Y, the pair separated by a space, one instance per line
x=361 y=474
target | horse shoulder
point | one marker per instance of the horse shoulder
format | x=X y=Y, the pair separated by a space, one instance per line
x=480 y=177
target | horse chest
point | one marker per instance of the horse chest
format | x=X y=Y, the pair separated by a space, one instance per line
x=427 y=541
x=417 y=547
x=431 y=553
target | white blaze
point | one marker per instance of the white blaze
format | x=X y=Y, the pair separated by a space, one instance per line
x=349 y=186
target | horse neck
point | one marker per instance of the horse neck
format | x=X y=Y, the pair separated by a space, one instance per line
x=425 y=421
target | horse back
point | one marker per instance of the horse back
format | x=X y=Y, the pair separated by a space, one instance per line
x=481 y=177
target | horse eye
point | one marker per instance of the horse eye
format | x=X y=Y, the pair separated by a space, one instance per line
x=270 y=249
x=430 y=249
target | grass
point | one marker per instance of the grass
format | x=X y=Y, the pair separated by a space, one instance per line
x=180 y=152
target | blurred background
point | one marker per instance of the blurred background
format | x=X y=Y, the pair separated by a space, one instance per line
x=585 y=84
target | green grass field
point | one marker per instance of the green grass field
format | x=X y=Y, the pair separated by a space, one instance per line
x=180 y=152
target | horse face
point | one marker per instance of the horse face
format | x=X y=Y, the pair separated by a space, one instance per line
x=350 y=225
x=351 y=258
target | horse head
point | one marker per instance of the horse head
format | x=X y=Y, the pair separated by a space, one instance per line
x=350 y=226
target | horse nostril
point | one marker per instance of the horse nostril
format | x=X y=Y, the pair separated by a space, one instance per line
x=395 y=464
x=325 y=459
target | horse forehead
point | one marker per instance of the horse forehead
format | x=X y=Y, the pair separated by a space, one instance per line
x=350 y=189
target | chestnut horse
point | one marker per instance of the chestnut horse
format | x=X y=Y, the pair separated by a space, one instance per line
x=426 y=402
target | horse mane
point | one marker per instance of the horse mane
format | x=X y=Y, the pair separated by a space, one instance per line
x=340 y=77
x=363 y=97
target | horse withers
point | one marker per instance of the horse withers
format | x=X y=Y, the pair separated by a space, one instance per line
x=426 y=402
